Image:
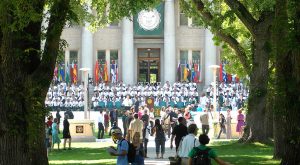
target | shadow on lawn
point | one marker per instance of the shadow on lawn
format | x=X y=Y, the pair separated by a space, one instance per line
x=80 y=156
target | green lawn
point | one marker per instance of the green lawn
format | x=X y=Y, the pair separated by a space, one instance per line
x=94 y=153
x=245 y=154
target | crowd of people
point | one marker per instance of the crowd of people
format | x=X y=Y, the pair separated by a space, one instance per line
x=63 y=96
x=229 y=96
x=139 y=126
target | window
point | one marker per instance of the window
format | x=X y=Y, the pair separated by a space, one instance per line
x=73 y=57
x=114 y=56
x=101 y=56
x=183 y=19
x=196 y=57
x=184 y=56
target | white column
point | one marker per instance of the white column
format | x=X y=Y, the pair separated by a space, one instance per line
x=67 y=59
x=169 y=43
x=87 y=49
x=127 y=52
x=210 y=57
x=107 y=58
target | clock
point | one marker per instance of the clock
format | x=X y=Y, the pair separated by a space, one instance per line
x=149 y=19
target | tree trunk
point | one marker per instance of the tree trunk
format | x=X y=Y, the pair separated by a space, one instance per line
x=287 y=51
x=24 y=81
x=258 y=85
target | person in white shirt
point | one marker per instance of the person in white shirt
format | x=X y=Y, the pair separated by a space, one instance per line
x=188 y=143
x=100 y=125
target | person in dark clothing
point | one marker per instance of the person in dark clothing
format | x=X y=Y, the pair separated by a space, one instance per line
x=66 y=132
x=124 y=121
x=58 y=119
x=70 y=114
x=145 y=119
x=113 y=117
x=222 y=121
x=136 y=104
x=114 y=126
x=179 y=132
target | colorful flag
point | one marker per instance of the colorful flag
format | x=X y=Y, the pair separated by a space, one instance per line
x=62 y=72
x=105 y=72
x=55 y=71
x=221 y=72
x=67 y=74
x=193 y=74
x=197 y=73
x=96 y=76
x=75 y=74
x=185 y=72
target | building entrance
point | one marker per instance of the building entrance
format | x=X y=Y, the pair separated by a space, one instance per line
x=148 y=65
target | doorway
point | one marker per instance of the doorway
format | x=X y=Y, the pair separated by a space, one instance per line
x=148 y=65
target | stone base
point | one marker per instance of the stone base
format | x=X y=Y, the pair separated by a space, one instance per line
x=82 y=130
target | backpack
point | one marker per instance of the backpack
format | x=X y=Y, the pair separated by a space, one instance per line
x=131 y=151
x=201 y=157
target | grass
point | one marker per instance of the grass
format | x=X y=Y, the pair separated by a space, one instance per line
x=245 y=154
x=230 y=151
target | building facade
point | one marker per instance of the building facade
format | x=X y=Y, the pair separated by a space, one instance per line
x=152 y=46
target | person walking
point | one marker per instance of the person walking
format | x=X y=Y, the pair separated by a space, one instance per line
x=147 y=136
x=100 y=125
x=207 y=153
x=55 y=138
x=178 y=132
x=135 y=127
x=124 y=122
x=122 y=147
x=66 y=132
x=106 y=120
x=188 y=143
x=240 y=123
x=113 y=115
x=228 y=124
x=58 y=119
x=222 y=121
x=205 y=122
x=160 y=139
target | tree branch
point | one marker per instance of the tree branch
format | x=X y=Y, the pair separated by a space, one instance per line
x=243 y=14
x=44 y=72
x=219 y=32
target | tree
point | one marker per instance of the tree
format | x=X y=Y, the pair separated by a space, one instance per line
x=231 y=21
x=287 y=74
x=26 y=69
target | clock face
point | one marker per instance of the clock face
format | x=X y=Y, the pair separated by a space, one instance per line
x=149 y=19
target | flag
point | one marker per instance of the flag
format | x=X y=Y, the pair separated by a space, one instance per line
x=75 y=74
x=178 y=72
x=96 y=76
x=117 y=73
x=62 y=72
x=196 y=70
x=105 y=72
x=224 y=75
x=189 y=72
x=55 y=72
x=113 y=73
x=101 y=73
x=185 y=72
x=67 y=74
x=193 y=74
x=221 y=72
